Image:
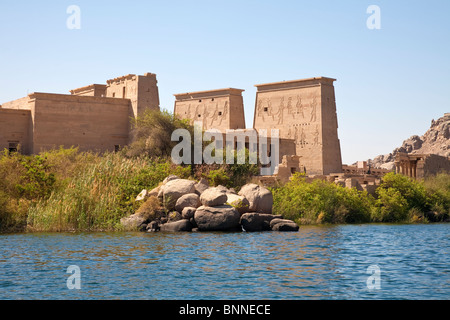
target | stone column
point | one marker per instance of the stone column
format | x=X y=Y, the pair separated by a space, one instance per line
x=415 y=170
x=410 y=169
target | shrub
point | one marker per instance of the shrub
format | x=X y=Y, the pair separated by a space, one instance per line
x=390 y=206
x=320 y=202
x=232 y=175
x=152 y=132
x=218 y=177
x=402 y=199
x=438 y=193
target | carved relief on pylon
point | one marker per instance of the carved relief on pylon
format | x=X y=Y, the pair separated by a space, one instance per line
x=313 y=110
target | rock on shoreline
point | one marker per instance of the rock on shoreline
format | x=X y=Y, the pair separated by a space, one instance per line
x=181 y=205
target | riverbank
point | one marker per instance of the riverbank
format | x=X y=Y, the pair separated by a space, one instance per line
x=68 y=190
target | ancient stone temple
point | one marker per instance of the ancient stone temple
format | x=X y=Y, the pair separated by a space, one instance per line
x=95 y=117
x=419 y=166
x=305 y=111
x=217 y=109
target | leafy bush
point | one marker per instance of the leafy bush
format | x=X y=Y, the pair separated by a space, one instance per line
x=321 y=202
x=401 y=199
x=152 y=132
x=390 y=206
x=229 y=175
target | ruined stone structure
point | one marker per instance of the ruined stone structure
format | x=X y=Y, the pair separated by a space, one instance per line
x=94 y=117
x=305 y=111
x=419 y=166
x=362 y=167
x=220 y=109
x=97 y=118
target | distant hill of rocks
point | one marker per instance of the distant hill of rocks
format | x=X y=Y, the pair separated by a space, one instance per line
x=435 y=141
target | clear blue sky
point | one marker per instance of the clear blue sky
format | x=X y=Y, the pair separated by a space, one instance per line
x=390 y=82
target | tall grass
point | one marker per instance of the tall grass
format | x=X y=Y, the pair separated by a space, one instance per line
x=89 y=191
x=99 y=195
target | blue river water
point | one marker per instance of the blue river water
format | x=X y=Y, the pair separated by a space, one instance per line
x=333 y=262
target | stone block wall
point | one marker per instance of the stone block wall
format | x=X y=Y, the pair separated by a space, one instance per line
x=305 y=111
x=92 y=123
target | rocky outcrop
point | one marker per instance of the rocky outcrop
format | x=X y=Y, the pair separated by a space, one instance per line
x=201 y=186
x=240 y=203
x=188 y=213
x=153 y=227
x=175 y=189
x=435 y=141
x=219 y=218
x=283 y=225
x=187 y=200
x=185 y=205
x=260 y=198
x=212 y=197
x=134 y=222
x=177 y=226
x=254 y=221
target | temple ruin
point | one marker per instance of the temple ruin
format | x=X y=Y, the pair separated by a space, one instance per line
x=97 y=118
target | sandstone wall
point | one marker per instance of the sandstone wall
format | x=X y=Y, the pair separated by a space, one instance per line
x=92 y=123
x=217 y=109
x=93 y=90
x=141 y=90
x=21 y=103
x=15 y=128
x=305 y=111
x=434 y=164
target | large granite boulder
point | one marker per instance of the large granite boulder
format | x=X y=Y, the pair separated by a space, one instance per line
x=135 y=222
x=187 y=200
x=175 y=189
x=240 y=203
x=222 y=189
x=283 y=225
x=154 y=192
x=177 y=226
x=170 y=178
x=212 y=197
x=188 y=213
x=201 y=186
x=253 y=221
x=260 y=198
x=219 y=218
x=174 y=216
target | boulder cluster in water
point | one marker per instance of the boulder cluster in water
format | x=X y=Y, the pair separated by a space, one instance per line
x=195 y=206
